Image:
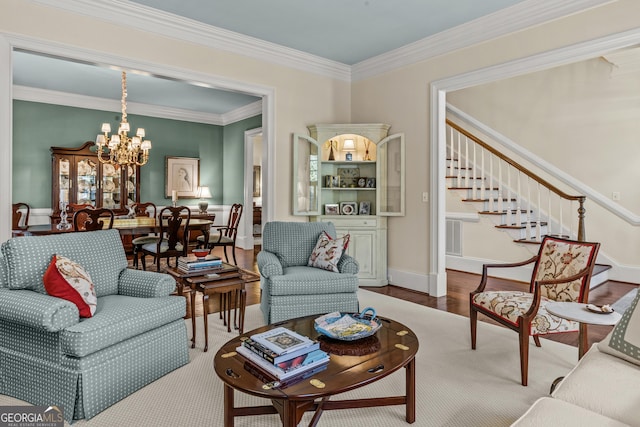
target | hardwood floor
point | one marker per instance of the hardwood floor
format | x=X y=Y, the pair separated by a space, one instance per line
x=459 y=285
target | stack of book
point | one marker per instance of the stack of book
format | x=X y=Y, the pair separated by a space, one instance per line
x=191 y=265
x=283 y=354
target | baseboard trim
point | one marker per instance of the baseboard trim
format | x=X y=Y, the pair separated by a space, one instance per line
x=410 y=280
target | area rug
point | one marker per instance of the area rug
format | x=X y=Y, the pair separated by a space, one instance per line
x=456 y=386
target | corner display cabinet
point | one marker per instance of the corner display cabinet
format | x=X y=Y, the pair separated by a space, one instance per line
x=352 y=175
x=78 y=177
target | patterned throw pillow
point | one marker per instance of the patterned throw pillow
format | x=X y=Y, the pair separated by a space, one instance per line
x=328 y=252
x=625 y=336
x=68 y=280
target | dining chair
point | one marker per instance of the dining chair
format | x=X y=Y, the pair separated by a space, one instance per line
x=143 y=210
x=91 y=219
x=20 y=217
x=562 y=272
x=171 y=219
x=226 y=236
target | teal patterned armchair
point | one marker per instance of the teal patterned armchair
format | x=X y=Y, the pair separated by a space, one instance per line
x=289 y=288
x=51 y=356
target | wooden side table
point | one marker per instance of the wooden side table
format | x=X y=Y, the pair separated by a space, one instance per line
x=227 y=287
x=228 y=282
x=578 y=312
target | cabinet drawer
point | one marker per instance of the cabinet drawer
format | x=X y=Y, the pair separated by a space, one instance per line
x=355 y=222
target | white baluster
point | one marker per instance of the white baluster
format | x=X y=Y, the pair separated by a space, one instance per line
x=483 y=177
x=491 y=183
x=466 y=162
x=452 y=155
x=509 y=204
x=548 y=212
x=459 y=163
x=473 y=181
x=538 y=231
x=561 y=227
x=518 y=198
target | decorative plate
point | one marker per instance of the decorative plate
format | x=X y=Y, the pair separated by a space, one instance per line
x=108 y=202
x=84 y=185
x=348 y=327
x=129 y=171
x=130 y=187
x=109 y=186
x=109 y=170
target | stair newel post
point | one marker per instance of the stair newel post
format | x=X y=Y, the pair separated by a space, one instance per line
x=581 y=211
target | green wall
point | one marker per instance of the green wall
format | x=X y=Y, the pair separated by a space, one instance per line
x=233 y=177
x=38 y=126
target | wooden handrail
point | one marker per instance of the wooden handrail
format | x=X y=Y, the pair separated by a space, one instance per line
x=530 y=174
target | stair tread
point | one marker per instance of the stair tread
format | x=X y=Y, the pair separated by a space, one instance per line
x=513 y=211
x=519 y=227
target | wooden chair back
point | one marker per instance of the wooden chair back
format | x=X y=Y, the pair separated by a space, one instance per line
x=145 y=209
x=172 y=219
x=90 y=219
x=231 y=231
x=20 y=216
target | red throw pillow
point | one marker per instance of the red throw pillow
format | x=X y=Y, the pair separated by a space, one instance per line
x=68 y=280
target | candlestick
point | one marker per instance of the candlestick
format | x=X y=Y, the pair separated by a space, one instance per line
x=174 y=198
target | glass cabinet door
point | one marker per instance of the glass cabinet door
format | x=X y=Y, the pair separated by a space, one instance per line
x=306 y=187
x=64 y=181
x=131 y=186
x=111 y=188
x=390 y=172
x=86 y=184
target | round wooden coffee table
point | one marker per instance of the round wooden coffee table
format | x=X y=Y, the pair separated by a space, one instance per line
x=352 y=365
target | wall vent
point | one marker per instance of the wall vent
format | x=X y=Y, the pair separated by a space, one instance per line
x=454 y=237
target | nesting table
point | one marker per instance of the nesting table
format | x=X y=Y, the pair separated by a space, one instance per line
x=226 y=281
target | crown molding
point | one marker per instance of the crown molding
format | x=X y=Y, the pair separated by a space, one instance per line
x=523 y=15
x=24 y=93
x=169 y=25
x=244 y=112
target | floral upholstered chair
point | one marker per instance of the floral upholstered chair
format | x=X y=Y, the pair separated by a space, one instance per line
x=562 y=272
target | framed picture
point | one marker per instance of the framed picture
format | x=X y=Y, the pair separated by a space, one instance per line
x=349 y=208
x=331 y=209
x=182 y=174
x=371 y=183
x=331 y=181
x=365 y=208
x=362 y=182
x=257 y=181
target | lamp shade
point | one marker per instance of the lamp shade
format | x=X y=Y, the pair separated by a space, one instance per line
x=204 y=192
x=348 y=145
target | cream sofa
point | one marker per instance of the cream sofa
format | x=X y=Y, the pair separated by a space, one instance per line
x=604 y=387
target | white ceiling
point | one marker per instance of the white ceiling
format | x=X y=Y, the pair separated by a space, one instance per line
x=335 y=31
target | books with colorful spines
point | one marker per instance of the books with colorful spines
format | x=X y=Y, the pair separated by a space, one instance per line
x=281 y=340
x=208 y=264
x=273 y=357
x=278 y=373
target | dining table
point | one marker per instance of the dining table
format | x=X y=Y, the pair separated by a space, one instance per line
x=129 y=227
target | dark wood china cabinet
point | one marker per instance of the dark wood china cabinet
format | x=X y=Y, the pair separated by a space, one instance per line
x=78 y=177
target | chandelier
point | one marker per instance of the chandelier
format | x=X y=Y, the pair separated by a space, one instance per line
x=122 y=149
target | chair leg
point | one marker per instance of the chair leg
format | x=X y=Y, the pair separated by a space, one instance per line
x=536 y=339
x=473 y=319
x=135 y=256
x=524 y=356
x=226 y=258
x=233 y=252
x=144 y=262
x=157 y=261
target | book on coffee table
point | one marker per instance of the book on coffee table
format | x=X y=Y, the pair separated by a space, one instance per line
x=278 y=373
x=281 y=340
x=275 y=358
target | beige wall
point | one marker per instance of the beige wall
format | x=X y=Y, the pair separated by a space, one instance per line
x=400 y=98
x=583 y=119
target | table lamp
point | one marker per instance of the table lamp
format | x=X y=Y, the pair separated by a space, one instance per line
x=203 y=193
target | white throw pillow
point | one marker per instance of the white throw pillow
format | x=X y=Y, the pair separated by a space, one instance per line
x=328 y=252
x=624 y=339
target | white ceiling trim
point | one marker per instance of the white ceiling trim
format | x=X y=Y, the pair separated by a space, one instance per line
x=515 y=18
x=24 y=93
x=152 y=20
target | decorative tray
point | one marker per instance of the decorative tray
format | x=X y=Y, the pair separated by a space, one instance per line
x=348 y=327
x=605 y=309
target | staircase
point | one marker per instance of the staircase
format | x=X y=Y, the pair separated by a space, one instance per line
x=516 y=200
